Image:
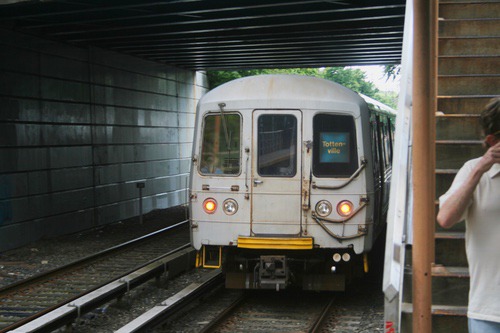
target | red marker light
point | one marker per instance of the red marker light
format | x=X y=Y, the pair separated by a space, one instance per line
x=210 y=206
x=344 y=208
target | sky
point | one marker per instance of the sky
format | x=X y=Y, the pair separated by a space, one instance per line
x=375 y=74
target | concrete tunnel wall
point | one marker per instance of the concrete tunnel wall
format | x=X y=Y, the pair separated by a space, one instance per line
x=79 y=128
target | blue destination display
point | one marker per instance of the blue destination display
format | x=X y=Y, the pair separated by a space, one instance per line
x=334 y=147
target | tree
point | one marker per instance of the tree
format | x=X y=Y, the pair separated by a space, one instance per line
x=392 y=71
x=216 y=78
x=354 y=79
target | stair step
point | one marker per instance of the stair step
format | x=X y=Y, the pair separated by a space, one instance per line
x=445 y=319
x=450 y=271
x=469 y=28
x=468 y=46
x=464 y=104
x=450 y=285
x=468 y=65
x=446 y=289
x=444 y=310
x=458 y=127
x=450 y=235
x=468 y=84
x=450 y=248
x=469 y=10
x=452 y=154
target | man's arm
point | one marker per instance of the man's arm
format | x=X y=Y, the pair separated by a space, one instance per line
x=453 y=208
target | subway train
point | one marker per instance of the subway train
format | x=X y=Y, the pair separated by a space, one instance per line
x=290 y=181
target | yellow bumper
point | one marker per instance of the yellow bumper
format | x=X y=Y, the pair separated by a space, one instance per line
x=275 y=243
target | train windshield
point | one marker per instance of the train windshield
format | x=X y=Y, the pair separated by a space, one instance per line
x=220 y=150
x=335 y=149
x=277 y=142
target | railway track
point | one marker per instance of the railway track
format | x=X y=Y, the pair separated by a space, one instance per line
x=26 y=300
x=206 y=306
x=265 y=312
x=358 y=310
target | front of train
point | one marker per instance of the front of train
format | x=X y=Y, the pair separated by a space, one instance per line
x=281 y=189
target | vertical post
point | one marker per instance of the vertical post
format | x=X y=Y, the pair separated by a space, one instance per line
x=140 y=186
x=423 y=119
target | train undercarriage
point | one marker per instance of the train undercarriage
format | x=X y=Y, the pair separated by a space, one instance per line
x=316 y=269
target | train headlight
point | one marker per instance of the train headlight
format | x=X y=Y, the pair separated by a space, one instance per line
x=323 y=208
x=344 y=208
x=209 y=206
x=230 y=207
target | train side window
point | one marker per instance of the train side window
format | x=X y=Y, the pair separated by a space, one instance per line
x=220 y=150
x=386 y=145
x=391 y=138
x=375 y=146
x=335 y=149
x=277 y=145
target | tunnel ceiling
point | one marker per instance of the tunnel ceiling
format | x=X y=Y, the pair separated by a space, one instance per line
x=222 y=34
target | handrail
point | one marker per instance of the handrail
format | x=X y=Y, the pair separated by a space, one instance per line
x=362 y=230
x=364 y=162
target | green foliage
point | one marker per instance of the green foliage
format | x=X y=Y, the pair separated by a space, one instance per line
x=354 y=79
x=392 y=71
x=216 y=78
x=389 y=98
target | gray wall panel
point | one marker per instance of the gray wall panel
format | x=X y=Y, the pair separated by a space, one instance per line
x=13 y=185
x=20 y=109
x=64 y=90
x=140 y=135
x=25 y=232
x=115 y=173
x=131 y=153
x=68 y=157
x=79 y=128
x=16 y=159
x=128 y=116
x=64 y=68
x=22 y=134
x=46 y=205
x=65 y=112
x=134 y=99
x=19 y=85
x=25 y=61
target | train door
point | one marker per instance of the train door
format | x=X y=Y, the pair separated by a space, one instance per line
x=276 y=172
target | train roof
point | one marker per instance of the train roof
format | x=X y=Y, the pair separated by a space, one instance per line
x=282 y=90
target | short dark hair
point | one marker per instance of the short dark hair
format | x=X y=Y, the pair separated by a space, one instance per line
x=490 y=117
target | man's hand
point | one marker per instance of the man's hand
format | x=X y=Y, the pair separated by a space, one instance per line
x=491 y=157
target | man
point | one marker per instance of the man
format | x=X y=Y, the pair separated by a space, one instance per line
x=475 y=197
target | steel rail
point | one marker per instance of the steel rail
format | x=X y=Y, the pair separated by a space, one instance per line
x=160 y=313
x=48 y=274
x=52 y=274
x=321 y=318
x=223 y=315
x=72 y=310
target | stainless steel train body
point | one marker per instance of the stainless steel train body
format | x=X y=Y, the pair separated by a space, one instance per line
x=289 y=181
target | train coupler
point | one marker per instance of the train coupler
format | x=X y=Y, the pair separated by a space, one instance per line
x=273 y=272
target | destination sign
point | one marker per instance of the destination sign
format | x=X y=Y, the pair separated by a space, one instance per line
x=334 y=147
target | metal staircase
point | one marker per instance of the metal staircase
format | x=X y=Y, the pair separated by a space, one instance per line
x=468 y=76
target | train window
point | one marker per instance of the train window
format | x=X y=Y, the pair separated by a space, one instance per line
x=335 y=148
x=220 y=150
x=277 y=145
